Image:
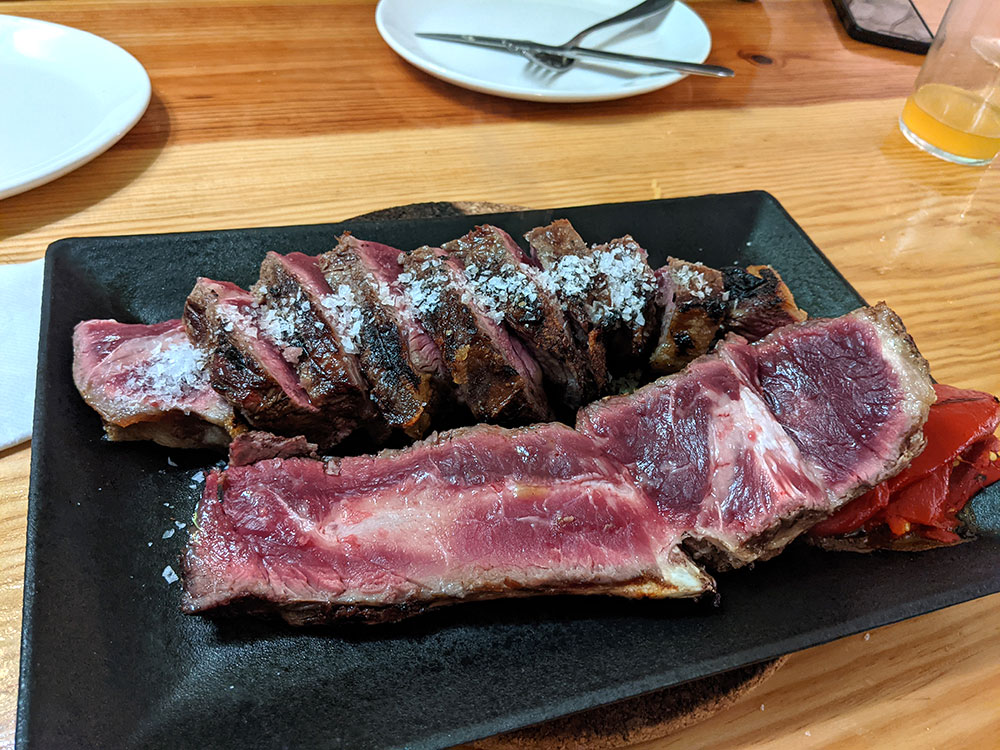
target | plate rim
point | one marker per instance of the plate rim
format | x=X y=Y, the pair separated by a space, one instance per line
x=95 y=142
x=472 y=83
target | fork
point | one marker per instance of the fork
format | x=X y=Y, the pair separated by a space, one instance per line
x=559 y=63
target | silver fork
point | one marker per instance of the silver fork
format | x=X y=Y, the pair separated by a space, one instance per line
x=559 y=63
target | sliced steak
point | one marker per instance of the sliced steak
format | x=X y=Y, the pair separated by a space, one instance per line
x=495 y=376
x=478 y=513
x=246 y=365
x=148 y=382
x=291 y=293
x=507 y=286
x=853 y=393
x=383 y=263
x=750 y=447
x=611 y=285
x=625 y=303
x=692 y=315
x=718 y=464
x=372 y=327
x=563 y=254
x=758 y=302
x=253 y=445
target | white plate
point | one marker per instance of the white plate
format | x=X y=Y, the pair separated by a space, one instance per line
x=678 y=35
x=65 y=97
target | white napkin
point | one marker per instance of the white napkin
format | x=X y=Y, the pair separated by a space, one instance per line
x=21 y=298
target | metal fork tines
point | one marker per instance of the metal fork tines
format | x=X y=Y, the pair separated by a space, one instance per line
x=559 y=63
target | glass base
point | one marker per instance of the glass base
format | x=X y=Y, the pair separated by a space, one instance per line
x=933 y=150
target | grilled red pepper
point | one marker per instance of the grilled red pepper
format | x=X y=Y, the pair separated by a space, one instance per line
x=960 y=458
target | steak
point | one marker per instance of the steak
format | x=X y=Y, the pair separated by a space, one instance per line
x=611 y=286
x=494 y=375
x=291 y=293
x=383 y=263
x=253 y=446
x=853 y=393
x=694 y=305
x=563 y=255
x=758 y=302
x=749 y=447
x=477 y=513
x=371 y=326
x=506 y=284
x=704 y=445
x=728 y=460
x=248 y=367
x=149 y=383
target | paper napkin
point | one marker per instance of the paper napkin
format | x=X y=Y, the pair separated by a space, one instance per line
x=21 y=297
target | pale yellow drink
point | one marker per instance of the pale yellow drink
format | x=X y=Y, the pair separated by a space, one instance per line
x=953 y=120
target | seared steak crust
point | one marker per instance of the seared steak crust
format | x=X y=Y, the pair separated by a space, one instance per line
x=550 y=245
x=504 y=282
x=245 y=366
x=290 y=293
x=758 y=302
x=691 y=320
x=369 y=324
x=493 y=373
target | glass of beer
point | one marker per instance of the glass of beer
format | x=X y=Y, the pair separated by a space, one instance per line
x=954 y=110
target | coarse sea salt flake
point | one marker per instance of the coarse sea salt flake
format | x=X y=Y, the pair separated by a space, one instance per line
x=169 y=575
x=167 y=534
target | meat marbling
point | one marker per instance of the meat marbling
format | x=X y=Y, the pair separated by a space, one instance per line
x=729 y=459
x=148 y=382
x=776 y=435
x=476 y=513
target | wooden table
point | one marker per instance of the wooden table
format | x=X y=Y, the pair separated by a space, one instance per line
x=288 y=112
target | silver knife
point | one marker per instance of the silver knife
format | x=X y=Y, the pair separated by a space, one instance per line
x=521 y=46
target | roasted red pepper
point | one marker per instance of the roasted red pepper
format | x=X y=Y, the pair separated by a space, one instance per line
x=960 y=458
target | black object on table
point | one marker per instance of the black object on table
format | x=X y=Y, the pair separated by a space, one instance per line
x=887 y=23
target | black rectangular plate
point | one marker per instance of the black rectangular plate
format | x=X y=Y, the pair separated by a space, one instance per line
x=109 y=661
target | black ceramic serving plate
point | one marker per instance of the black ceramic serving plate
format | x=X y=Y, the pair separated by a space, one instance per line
x=109 y=661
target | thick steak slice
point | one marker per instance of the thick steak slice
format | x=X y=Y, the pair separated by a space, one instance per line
x=148 y=382
x=611 y=284
x=718 y=464
x=691 y=316
x=758 y=302
x=372 y=328
x=245 y=365
x=477 y=513
x=625 y=301
x=383 y=263
x=505 y=284
x=852 y=392
x=290 y=292
x=495 y=376
x=563 y=254
x=750 y=447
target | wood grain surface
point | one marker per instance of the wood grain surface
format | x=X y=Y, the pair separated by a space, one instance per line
x=291 y=112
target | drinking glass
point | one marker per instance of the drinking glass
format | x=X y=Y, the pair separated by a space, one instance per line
x=954 y=110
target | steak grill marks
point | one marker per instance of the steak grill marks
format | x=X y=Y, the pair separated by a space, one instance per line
x=727 y=460
x=371 y=326
x=493 y=373
x=372 y=346
x=512 y=289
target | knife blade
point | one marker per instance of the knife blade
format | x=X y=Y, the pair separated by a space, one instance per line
x=523 y=46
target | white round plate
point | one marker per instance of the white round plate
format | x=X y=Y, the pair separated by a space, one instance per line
x=65 y=97
x=678 y=35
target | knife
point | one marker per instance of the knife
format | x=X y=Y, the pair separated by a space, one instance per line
x=523 y=46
